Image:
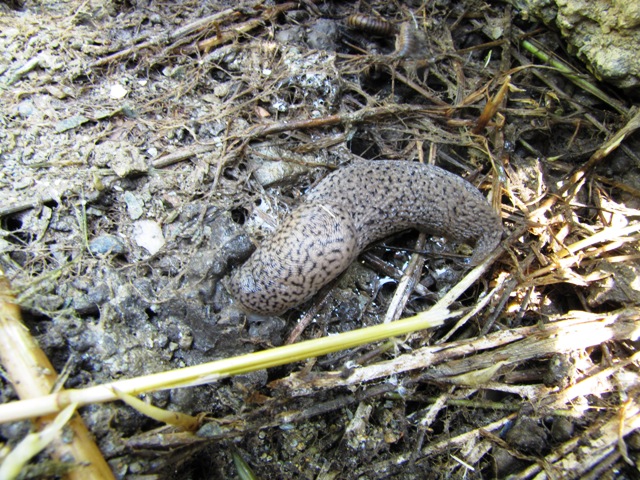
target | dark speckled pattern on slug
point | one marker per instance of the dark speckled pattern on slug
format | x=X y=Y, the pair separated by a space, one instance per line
x=351 y=208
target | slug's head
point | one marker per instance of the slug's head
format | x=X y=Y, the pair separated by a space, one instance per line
x=311 y=247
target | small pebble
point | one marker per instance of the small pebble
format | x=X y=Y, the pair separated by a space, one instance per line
x=134 y=205
x=106 y=244
x=148 y=235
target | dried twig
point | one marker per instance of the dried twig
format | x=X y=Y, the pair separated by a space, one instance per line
x=213 y=371
x=33 y=376
x=347 y=118
x=410 y=278
x=164 y=39
x=513 y=346
x=234 y=32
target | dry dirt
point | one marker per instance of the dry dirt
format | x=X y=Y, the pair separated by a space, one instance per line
x=146 y=147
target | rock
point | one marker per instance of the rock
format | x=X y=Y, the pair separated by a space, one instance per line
x=619 y=283
x=134 y=205
x=605 y=34
x=528 y=436
x=561 y=371
x=562 y=429
x=323 y=35
x=272 y=172
x=123 y=158
x=504 y=463
x=106 y=244
x=148 y=235
x=290 y=36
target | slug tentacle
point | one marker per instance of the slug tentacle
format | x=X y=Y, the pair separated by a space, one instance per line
x=351 y=208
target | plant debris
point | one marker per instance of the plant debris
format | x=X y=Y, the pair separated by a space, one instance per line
x=146 y=148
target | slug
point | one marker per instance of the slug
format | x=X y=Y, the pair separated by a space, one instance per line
x=351 y=208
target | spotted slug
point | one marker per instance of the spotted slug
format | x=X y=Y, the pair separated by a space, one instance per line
x=351 y=208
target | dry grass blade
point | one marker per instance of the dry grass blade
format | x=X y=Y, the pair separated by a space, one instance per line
x=13 y=464
x=33 y=376
x=177 y=419
x=492 y=106
x=603 y=151
x=559 y=269
x=214 y=371
x=572 y=75
x=511 y=347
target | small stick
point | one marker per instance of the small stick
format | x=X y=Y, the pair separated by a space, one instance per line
x=234 y=32
x=166 y=38
x=406 y=285
x=358 y=116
